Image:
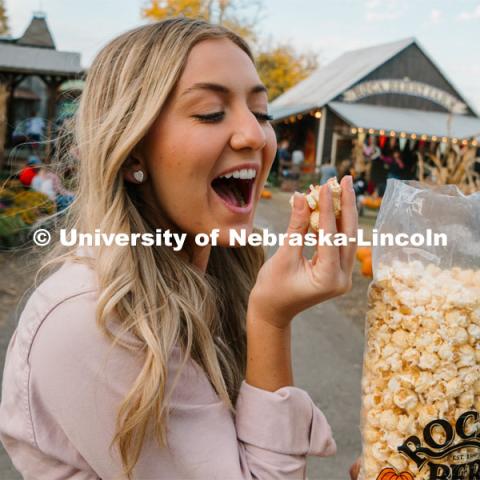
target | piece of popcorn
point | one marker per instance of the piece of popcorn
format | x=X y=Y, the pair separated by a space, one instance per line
x=401 y=338
x=456 y=318
x=426 y=413
x=458 y=335
x=424 y=382
x=445 y=352
x=371 y=435
x=454 y=387
x=380 y=451
x=405 y=398
x=428 y=361
x=466 y=400
x=474 y=331
x=406 y=425
x=313 y=201
x=466 y=356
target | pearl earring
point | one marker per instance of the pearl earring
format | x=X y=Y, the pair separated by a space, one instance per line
x=138 y=176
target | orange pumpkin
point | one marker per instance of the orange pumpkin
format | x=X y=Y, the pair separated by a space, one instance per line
x=266 y=194
x=363 y=252
x=391 y=474
x=372 y=202
x=367 y=269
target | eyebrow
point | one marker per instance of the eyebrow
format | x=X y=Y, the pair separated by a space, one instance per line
x=216 y=87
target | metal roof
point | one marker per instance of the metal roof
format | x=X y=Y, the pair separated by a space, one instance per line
x=32 y=60
x=407 y=120
x=327 y=82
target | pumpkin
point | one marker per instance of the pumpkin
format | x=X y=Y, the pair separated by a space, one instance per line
x=266 y=194
x=363 y=252
x=367 y=269
x=372 y=202
x=391 y=474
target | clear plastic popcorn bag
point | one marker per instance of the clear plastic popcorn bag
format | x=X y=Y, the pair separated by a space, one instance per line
x=421 y=373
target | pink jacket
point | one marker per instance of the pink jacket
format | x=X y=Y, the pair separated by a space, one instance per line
x=62 y=384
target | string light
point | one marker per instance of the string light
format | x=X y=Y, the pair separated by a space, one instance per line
x=392 y=133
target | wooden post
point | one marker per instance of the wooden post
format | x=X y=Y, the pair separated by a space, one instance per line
x=4 y=95
x=52 y=87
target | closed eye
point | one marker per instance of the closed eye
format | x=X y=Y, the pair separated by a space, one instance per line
x=217 y=116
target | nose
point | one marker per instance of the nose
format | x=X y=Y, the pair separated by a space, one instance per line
x=248 y=132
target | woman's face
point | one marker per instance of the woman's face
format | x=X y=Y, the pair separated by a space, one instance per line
x=212 y=127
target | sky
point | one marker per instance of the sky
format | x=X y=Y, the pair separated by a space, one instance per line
x=449 y=30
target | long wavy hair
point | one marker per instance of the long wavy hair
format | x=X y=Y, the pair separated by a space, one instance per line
x=152 y=293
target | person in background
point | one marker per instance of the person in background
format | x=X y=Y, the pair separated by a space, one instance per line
x=283 y=153
x=327 y=172
x=35 y=128
x=29 y=171
x=397 y=167
x=19 y=134
x=297 y=161
x=360 y=188
x=49 y=183
x=43 y=183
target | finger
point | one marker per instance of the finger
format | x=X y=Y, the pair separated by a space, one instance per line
x=327 y=224
x=298 y=224
x=348 y=224
x=355 y=470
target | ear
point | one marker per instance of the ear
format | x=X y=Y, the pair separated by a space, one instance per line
x=134 y=170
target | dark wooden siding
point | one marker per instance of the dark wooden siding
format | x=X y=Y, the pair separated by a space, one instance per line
x=411 y=63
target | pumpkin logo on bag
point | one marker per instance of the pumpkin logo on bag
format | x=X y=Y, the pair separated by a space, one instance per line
x=391 y=474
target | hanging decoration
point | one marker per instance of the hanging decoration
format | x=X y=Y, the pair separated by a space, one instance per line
x=403 y=137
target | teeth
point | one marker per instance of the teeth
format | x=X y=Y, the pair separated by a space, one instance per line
x=244 y=174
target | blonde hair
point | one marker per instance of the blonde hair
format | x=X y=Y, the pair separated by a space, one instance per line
x=154 y=295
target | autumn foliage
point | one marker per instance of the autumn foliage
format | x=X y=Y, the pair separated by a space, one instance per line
x=280 y=67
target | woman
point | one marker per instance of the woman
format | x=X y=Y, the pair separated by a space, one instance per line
x=129 y=362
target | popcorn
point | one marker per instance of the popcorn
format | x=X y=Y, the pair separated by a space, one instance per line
x=422 y=359
x=313 y=200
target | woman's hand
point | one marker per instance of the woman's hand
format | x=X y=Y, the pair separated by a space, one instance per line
x=355 y=470
x=288 y=282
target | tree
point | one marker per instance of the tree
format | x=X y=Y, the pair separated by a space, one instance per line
x=223 y=12
x=4 y=28
x=280 y=67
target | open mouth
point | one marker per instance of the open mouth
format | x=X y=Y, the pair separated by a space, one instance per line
x=235 y=188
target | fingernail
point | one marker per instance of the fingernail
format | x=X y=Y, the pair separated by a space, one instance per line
x=350 y=182
x=298 y=201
